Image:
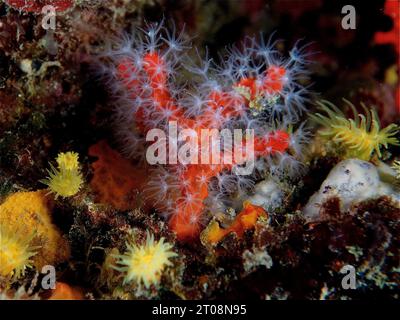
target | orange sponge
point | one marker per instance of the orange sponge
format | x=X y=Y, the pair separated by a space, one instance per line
x=245 y=220
x=115 y=180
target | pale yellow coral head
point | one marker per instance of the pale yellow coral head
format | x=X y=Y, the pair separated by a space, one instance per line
x=360 y=136
x=145 y=263
x=66 y=180
x=68 y=161
x=15 y=253
x=64 y=183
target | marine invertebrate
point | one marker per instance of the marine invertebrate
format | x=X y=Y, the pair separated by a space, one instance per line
x=27 y=213
x=361 y=136
x=16 y=252
x=115 y=180
x=350 y=182
x=65 y=180
x=392 y=9
x=268 y=195
x=145 y=263
x=245 y=220
x=254 y=88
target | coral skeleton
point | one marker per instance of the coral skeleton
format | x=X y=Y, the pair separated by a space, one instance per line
x=254 y=88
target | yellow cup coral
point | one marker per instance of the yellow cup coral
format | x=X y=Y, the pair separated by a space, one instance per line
x=359 y=137
x=65 y=180
x=15 y=253
x=68 y=161
x=145 y=264
x=24 y=214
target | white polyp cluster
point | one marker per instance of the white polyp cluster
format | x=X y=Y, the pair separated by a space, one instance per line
x=190 y=84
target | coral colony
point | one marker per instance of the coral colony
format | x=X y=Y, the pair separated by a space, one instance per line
x=134 y=166
x=253 y=89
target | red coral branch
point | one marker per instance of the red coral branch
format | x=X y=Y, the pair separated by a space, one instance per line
x=195 y=178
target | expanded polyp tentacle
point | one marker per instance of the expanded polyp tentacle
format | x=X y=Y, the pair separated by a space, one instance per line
x=253 y=85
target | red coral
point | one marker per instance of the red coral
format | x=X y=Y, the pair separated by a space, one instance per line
x=392 y=9
x=195 y=178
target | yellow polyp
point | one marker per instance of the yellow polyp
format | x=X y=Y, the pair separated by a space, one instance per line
x=144 y=264
x=359 y=137
x=68 y=161
x=27 y=215
x=65 y=180
x=16 y=253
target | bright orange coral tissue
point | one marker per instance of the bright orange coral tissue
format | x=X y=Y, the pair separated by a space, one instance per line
x=244 y=221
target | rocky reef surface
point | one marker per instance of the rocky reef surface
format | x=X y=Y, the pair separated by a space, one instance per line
x=84 y=216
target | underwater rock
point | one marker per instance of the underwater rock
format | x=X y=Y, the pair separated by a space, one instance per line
x=255 y=258
x=352 y=181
